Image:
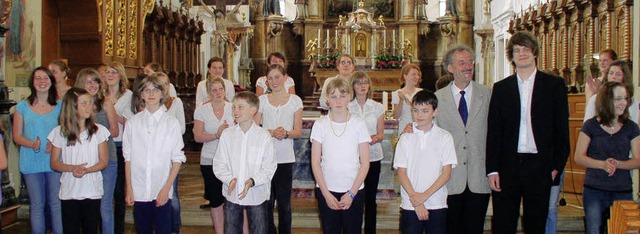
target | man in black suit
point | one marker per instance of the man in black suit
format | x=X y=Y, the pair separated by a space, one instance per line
x=527 y=139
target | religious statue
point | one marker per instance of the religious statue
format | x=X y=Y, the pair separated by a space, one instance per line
x=340 y=21
x=270 y=7
x=312 y=48
x=381 y=20
x=408 y=48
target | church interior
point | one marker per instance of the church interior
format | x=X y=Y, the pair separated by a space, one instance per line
x=380 y=35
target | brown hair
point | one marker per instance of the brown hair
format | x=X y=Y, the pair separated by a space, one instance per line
x=52 y=97
x=155 y=67
x=91 y=74
x=211 y=81
x=124 y=81
x=360 y=76
x=605 y=106
x=248 y=97
x=277 y=55
x=341 y=86
x=69 y=126
x=156 y=83
x=522 y=38
x=612 y=53
x=63 y=67
x=627 y=80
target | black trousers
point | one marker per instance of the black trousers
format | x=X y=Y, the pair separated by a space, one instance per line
x=341 y=221
x=530 y=181
x=119 y=205
x=370 y=192
x=467 y=212
x=281 y=191
x=80 y=216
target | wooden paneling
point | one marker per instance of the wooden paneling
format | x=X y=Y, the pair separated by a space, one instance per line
x=50 y=32
x=574 y=174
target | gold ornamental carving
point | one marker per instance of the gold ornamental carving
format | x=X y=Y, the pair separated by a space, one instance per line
x=100 y=16
x=133 y=29
x=6 y=10
x=108 y=29
x=121 y=17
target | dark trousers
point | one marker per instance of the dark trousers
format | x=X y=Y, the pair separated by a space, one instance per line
x=466 y=212
x=370 y=192
x=281 y=191
x=234 y=218
x=341 y=221
x=80 y=216
x=148 y=217
x=119 y=205
x=436 y=224
x=529 y=182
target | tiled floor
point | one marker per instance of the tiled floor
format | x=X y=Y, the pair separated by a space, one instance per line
x=305 y=218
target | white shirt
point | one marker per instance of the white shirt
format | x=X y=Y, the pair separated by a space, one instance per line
x=204 y=113
x=526 y=142
x=280 y=116
x=370 y=112
x=424 y=154
x=590 y=109
x=323 y=97
x=177 y=111
x=245 y=155
x=85 y=150
x=468 y=93
x=172 y=90
x=151 y=143
x=405 y=116
x=123 y=108
x=340 y=154
x=202 y=95
x=262 y=82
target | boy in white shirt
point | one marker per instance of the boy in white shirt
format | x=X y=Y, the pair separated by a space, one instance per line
x=340 y=162
x=152 y=149
x=424 y=160
x=245 y=164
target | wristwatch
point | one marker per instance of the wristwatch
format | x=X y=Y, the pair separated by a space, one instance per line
x=286 y=134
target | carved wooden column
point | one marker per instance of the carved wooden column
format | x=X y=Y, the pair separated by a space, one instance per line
x=591 y=13
x=577 y=73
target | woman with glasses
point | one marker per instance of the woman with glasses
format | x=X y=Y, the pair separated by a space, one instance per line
x=34 y=118
x=346 y=65
x=603 y=148
x=618 y=72
x=373 y=114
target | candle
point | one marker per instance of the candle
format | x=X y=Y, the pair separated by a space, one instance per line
x=402 y=36
x=319 y=39
x=328 y=39
x=393 y=39
x=336 y=39
x=385 y=100
x=384 y=39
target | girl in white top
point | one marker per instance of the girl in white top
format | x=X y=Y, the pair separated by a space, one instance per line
x=281 y=114
x=340 y=161
x=174 y=105
x=619 y=72
x=216 y=69
x=593 y=84
x=209 y=121
x=373 y=113
x=401 y=98
x=151 y=68
x=261 y=83
x=60 y=71
x=118 y=93
x=346 y=65
x=79 y=151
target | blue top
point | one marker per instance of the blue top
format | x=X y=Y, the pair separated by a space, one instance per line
x=35 y=125
x=604 y=145
x=101 y=118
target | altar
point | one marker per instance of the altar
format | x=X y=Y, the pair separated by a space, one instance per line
x=381 y=80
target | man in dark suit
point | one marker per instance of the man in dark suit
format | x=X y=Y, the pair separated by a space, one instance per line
x=463 y=109
x=527 y=139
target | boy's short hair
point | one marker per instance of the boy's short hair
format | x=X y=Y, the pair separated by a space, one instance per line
x=248 y=97
x=341 y=85
x=154 y=81
x=425 y=97
x=523 y=38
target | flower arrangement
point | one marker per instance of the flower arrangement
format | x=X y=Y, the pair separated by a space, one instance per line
x=389 y=61
x=327 y=61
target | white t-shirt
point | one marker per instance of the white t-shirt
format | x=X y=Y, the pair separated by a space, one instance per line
x=204 y=113
x=340 y=154
x=405 y=115
x=262 y=82
x=280 y=116
x=151 y=143
x=172 y=90
x=202 y=95
x=370 y=112
x=85 y=150
x=424 y=154
x=123 y=108
x=245 y=155
x=590 y=109
x=177 y=111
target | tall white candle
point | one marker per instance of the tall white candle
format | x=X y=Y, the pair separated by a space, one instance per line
x=393 y=39
x=319 y=39
x=384 y=39
x=402 y=36
x=336 y=39
x=385 y=100
x=328 y=39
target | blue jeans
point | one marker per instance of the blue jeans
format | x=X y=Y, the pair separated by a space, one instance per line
x=552 y=216
x=109 y=176
x=410 y=224
x=44 y=188
x=234 y=218
x=596 y=204
x=176 y=221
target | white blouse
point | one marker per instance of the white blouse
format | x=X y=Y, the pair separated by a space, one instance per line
x=123 y=108
x=405 y=115
x=262 y=82
x=85 y=150
x=177 y=111
x=151 y=143
x=204 y=113
x=370 y=112
x=280 y=116
x=202 y=96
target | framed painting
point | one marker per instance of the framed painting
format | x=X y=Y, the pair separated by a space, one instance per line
x=335 y=8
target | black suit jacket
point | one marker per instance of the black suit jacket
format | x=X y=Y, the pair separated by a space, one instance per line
x=549 y=121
